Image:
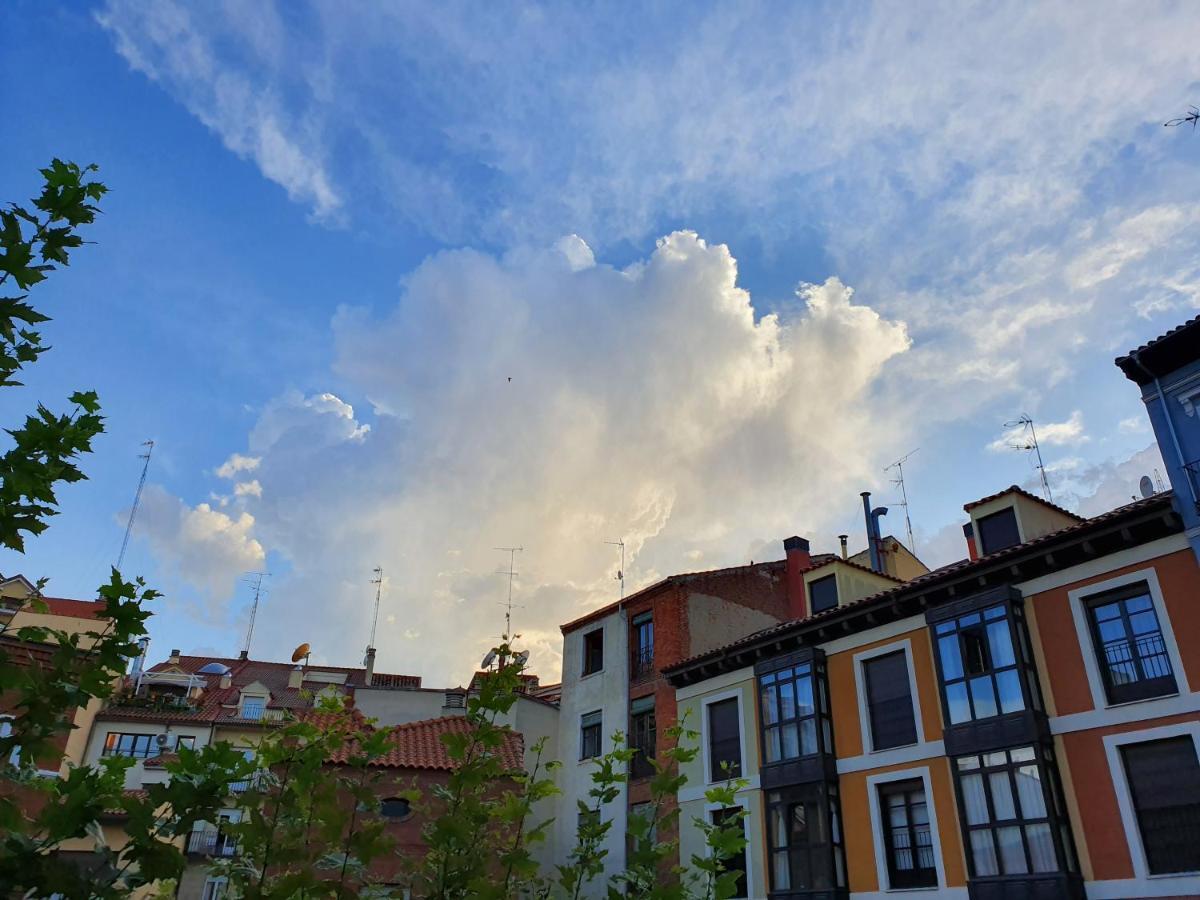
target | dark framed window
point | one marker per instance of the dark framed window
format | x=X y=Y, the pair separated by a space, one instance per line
x=979 y=667
x=1129 y=645
x=822 y=594
x=643 y=736
x=1164 y=782
x=185 y=740
x=724 y=740
x=734 y=816
x=998 y=531
x=908 y=838
x=138 y=746
x=804 y=839
x=593 y=651
x=787 y=700
x=889 y=701
x=395 y=808
x=642 y=663
x=589 y=735
x=1012 y=813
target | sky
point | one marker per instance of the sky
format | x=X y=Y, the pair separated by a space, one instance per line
x=396 y=285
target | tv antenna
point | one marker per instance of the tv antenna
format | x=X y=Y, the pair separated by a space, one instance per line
x=1028 y=441
x=378 y=582
x=137 y=499
x=621 y=571
x=255 y=578
x=898 y=465
x=511 y=572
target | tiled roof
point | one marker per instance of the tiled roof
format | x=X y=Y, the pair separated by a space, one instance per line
x=419 y=745
x=846 y=562
x=1168 y=350
x=1016 y=489
x=381 y=679
x=922 y=582
x=80 y=609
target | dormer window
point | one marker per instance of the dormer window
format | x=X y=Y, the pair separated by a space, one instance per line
x=253 y=707
x=823 y=594
x=998 y=531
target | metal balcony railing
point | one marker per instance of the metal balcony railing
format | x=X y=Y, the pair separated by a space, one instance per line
x=211 y=842
x=642 y=664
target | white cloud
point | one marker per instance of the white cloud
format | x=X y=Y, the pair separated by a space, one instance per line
x=1049 y=434
x=1133 y=425
x=247 y=489
x=650 y=403
x=204 y=547
x=236 y=464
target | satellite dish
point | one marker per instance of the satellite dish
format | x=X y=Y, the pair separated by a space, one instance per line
x=523 y=657
x=1146 y=487
x=300 y=652
x=488 y=660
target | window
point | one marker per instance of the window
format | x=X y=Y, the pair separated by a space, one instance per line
x=1164 y=783
x=642 y=663
x=139 y=746
x=980 y=674
x=789 y=713
x=14 y=753
x=734 y=817
x=642 y=736
x=908 y=840
x=1129 y=645
x=804 y=836
x=593 y=651
x=589 y=735
x=395 y=808
x=215 y=888
x=641 y=819
x=823 y=594
x=185 y=740
x=252 y=707
x=889 y=701
x=997 y=531
x=1009 y=805
x=587 y=818
x=724 y=740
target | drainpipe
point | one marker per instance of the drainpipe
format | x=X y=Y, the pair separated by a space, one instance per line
x=1162 y=402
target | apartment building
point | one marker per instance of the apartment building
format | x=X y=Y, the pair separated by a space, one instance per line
x=613 y=660
x=1022 y=723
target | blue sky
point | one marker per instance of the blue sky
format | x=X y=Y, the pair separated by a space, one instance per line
x=733 y=260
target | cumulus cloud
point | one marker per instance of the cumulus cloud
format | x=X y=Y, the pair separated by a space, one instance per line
x=1068 y=433
x=236 y=464
x=554 y=406
x=204 y=547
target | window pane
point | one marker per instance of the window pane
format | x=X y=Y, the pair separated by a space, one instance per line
x=791 y=741
x=975 y=650
x=983 y=696
x=787 y=701
x=983 y=853
x=1041 y=848
x=1164 y=779
x=1000 y=642
x=974 y=800
x=772 y=747
x=1008 y=683
x=951 y=657
x=1012 y=853
x=770 y=707
x=956 y=700
x=997 y=531
x=724 y=739
x=779 y=871
x=804 y=696
x=889 y=701
x=808 y=736
x=1029 y=789
x=823 y=593
x=1002 y=798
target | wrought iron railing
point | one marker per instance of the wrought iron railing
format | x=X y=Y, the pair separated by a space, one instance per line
x=211 y=842
x=642 y=664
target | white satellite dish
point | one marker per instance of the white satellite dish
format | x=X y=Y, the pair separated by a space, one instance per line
x=1146 y=487
x=488 y=660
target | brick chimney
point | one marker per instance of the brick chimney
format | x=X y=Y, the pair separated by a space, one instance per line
x=296 y=676
x=370 y=673
x=226 y=680
x=174 y=658
x=798 y=561
x=972 y=547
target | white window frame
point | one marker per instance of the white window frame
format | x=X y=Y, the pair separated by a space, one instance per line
x=864 y=710
x=1187 y=882
x=873 y=783
x=14 y=758
x=242 y=706
x=742 y=800
x=215 y=882
x=1087 y=644
x=705 y=704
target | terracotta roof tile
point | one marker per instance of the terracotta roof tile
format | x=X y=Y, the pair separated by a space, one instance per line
x=419 y=745
x=1016 y=489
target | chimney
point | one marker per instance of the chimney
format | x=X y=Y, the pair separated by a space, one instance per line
x=140 y=660
x=296 y=676
x=370 y=667
x=226 y=680
x=842 y=538
x=174 y=658
x=873 y=539
x=798 y=562
x=969 y=534
x=243 y=654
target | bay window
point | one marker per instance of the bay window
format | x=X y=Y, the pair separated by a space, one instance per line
x=804 y=837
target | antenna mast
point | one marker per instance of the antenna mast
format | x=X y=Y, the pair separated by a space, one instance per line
x=898 y=465
x=254 y=578
x=1031 y=443
x=137 y=499
x=511 y=573
x=621 y=571
x=378 y=582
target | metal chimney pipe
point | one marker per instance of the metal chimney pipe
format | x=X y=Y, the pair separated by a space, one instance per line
x=872 y=544
x=842 y=538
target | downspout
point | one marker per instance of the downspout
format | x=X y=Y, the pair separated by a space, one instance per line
x=1162 y=402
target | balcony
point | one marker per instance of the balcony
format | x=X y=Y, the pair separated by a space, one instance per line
x=211 y=842
x=641 y=665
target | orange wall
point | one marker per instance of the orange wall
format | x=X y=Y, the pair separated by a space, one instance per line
x=1062 y=655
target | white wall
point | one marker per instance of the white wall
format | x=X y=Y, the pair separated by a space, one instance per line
x=134 y=775
x=396 y=707
x=607 y=691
